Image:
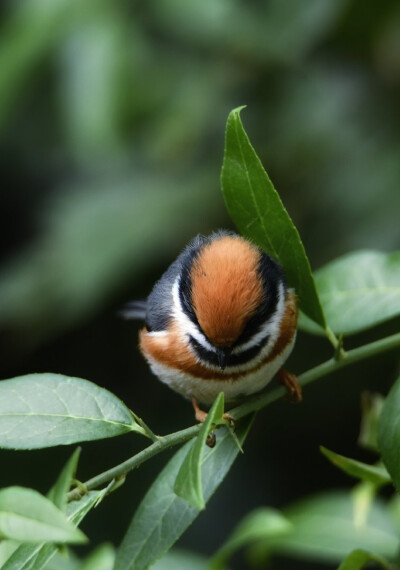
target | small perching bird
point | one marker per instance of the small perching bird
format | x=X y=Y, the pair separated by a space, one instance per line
x=220 y=319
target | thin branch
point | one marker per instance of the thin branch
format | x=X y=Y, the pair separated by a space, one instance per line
x=251 y=404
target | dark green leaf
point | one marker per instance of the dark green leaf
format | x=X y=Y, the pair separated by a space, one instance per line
x=257 y=210
x=264 y=523
x=188 y=484
x=58 y=493
x=356 y=560
x=375 y=474
x=389 y=433
x=162 y=516
x=44 y=410
x=27 y=516
x=358 y=291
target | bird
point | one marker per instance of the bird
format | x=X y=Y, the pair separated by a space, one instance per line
x=220 y=319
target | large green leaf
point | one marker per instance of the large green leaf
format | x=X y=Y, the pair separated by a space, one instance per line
x=162 y=516
x=27 y=516
x=258 y=212
x=357 y=560
x=37 y=556
x=327 y=527
x=389 y=433
x=44 y=410
x=375 y=474
x=358 y=291
x=188 y=483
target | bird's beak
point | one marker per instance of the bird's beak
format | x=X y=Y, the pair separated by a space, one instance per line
x=223 y=355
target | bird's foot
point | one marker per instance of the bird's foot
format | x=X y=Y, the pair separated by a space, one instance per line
x=292 y=385
x=200 y=415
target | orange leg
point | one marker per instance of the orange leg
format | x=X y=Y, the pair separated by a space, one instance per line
x=291 y=384
x=201 y=415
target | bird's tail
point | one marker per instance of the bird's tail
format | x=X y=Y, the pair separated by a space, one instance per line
x=134 y=310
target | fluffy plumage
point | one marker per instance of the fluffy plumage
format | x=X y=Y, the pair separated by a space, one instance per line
x=221 y=318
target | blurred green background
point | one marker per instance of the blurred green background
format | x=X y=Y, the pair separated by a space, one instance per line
x=112 y=117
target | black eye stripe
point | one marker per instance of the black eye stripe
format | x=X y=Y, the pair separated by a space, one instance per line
x=234 y=359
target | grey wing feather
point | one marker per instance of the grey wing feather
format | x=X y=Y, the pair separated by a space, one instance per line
x=134 y=310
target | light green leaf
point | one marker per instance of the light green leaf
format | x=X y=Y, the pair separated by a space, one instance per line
x=37 y=556
x=326 y=527
x=257 y=210
x=162 y=516
x=359 y=558
x=371 y=406
x=188 y=484
x=261 y=524
x=58 y=493
x=375 y=474
x=100 y=559
x=27 y=516
x=44 y=410
x=358 y=291
x=389 y=433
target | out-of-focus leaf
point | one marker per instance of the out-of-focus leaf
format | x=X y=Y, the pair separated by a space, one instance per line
x=92 y=238
x=262 y=32
x=162 y=516
x=375 y=474
x=358 y=291
x=326 y=528
x=371 y=406
x=31 y=31
x=44 y=410
x=101 y=559
x=37 y=556
x=359 y=558
x=389 y=433
x=262 y=524
x=58 y=493
x=258 y=212
x=7 y=548
x=27 y=516
x=181 y=560
x=188 y=483
x=96 y=58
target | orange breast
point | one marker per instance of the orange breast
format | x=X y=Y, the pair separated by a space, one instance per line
x=171 y=350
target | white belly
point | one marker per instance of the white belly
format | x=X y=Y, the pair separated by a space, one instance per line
x=205 y=391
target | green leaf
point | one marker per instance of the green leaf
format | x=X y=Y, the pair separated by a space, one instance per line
x=58 y=493
x=102 y=558
x=27 y=516
x=162 y=516
x=263 y=523
x=327 y=527
x=375 y=474
x=257 y=210
x=358 y=291
x=389 y=433
x=371 y=406
x=37 y=556
x=181 y=560
x=44 y=410
x=188 y=481
x=357 y=559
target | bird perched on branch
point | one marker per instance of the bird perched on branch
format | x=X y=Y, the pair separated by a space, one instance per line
x=220 y=319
